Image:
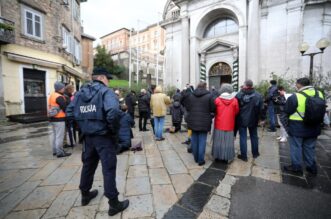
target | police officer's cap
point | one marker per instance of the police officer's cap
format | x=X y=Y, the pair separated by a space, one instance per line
x=102 y=71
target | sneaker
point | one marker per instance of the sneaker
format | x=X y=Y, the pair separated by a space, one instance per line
x=189 y=150
x=256 y=155
x=290 y=169
x=242 y=158
x=278 y=138
x=116 y=206
x=312 y=171
x=283 y=140
x=145 y=130
x=54 y=154
x=88 y=196
x=65 y=154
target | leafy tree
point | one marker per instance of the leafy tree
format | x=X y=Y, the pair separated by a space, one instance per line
x=103 y=59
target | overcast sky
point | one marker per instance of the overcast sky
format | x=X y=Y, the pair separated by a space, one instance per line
x=104 y=16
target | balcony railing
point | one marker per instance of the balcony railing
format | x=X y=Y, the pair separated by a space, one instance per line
x=7 y=31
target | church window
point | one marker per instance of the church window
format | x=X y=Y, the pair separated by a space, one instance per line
x=221 y=27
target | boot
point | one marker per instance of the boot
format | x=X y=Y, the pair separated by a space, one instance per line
x=88 y=196
x=116 y=206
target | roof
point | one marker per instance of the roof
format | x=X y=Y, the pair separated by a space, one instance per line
x=123 y=28
x=88 y=36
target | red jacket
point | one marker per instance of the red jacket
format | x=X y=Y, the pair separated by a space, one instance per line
x=226 y=111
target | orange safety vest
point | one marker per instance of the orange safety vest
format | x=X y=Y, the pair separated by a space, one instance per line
x=52 y=103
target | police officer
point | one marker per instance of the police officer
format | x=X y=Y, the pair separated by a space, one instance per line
x=96 y=110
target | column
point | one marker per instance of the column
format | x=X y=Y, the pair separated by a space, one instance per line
x=185 y=46
x=253 y=41
x=2 y=97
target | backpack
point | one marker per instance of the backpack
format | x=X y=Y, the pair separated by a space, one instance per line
x=315 y=109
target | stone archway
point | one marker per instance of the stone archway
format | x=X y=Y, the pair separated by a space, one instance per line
x=219 y=73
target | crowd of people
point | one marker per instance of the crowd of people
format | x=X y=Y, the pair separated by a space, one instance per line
x=105 y=122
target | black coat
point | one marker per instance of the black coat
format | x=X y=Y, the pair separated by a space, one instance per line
x=143 y=103
x=130 y=102
x=125 y=133
x=250 y=108
x=177 y=112
x=200 y=106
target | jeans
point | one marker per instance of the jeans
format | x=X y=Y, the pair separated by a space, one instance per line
x=158 y=123
x=271 y=111
x=302 y=147
x=198 y=144
x=58 y=136
x=101 y=148
x=142 y=116
x=243 y=141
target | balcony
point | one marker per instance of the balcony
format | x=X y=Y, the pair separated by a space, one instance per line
x=7 y=31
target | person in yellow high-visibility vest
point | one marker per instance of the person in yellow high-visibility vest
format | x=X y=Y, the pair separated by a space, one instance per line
x=302 y=137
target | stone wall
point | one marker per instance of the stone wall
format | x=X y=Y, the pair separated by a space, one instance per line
x=55 y=15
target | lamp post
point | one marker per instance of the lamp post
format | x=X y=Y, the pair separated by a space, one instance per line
x=321 y=44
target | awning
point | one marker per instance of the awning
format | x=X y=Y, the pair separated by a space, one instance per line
x=44 y=63
x=33 y=61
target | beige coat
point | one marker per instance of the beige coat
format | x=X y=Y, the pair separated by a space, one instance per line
x=159 y=102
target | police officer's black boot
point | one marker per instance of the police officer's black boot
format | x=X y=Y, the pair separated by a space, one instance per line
x=88 y=196
x=116 y=206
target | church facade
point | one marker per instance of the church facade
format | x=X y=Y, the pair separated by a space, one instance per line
x=229 y=41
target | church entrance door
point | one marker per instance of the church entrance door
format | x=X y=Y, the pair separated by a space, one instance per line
x=220 y=73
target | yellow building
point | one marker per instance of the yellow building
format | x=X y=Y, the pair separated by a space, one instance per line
x=40 y=44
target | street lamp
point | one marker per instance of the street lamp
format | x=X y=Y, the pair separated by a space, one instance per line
x=321 y=44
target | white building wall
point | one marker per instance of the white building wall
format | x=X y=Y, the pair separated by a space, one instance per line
x=283 y=25
x=173 y=55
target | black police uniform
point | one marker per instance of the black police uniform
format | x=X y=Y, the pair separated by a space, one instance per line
x=96 y=110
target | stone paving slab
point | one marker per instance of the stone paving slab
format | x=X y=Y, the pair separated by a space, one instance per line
x=159 y=176
x=153 y=179
x=164 y=197
x=140 y=206
x=181 y=182
x=14 y=198
x=30 y=214
x=41 y=197
x=61 y=176
x=85 y=212
x=62 y=204
x=137 y=186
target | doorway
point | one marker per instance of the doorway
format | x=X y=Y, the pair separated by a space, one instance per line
x=220 y=73
x=34 y=91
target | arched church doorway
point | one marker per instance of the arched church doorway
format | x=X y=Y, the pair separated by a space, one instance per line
x=220 y=73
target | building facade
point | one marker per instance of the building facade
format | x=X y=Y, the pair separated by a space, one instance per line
x=87 y=54
x=233 y=40
x=147 y=47
x=44 y=47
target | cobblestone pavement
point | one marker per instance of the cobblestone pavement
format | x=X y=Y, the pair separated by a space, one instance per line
x=161 y=181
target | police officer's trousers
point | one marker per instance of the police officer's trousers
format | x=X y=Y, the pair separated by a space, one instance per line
x=97 y=148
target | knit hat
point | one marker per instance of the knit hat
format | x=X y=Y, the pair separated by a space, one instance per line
x=226 y=88
x=58 y=86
